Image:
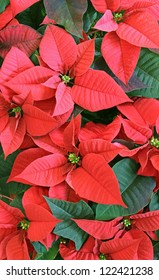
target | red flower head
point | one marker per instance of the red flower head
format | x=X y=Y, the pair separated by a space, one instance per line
x=130 y=26
x=17 y=229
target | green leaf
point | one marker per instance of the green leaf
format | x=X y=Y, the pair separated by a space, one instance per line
x=89 y=17
x=65 y=210
x=136 y=191
x=156 y=251
x=39 y=248
x=32 y=16
x=154 y=204
x=17 y=202
x=69 y=229
x=50 y=254
x=3 y=5
x=6 y=165
x=67 y=13
x=147 y=71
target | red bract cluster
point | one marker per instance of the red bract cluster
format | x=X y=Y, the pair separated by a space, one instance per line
x=79 y=130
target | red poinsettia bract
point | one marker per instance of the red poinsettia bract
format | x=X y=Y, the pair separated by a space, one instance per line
x=130 y=26
x=71 y=77
x=83 y=166
x=16 y=229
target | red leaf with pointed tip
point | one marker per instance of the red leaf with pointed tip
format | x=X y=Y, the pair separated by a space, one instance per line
x=30 y=81
x=90 y=182
x=58 y=49
x=21 y=5
x=42 y=222
x=148 y=108
x=45 y=171
x=70 y=134
x=64 y=102
x=24 y=159
x=132 y=113
x=53 y=82
x=10 y=216
x=17 y=249
x=96 y=90
x=6 y=16
x=148 y=221
x=100 y=6
x=143 y=4
x=34 y=195
x=87 y=252
x=14 y=63
x=107 y=22
x=38 y=123
x=64 y=192
x=114 y=5
x=154 y=10
x=126 y=4
x=136 y=31
x=21 y=36
x=93 y=130
x=120 y=56
x=145 y=249
x=155 y=161
x=46 y=143
x=12 y=135
x=120 y=248
x=98 y=229
x=85 y=56
x=139 y=134
x=13 y=22
x=99 y=146
x=4 y=117
x=6 y=236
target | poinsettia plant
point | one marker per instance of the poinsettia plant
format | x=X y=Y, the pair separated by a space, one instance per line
x=79 y=130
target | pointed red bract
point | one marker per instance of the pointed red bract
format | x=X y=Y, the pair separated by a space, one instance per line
x=98 y=229
x=61 y=51
x=106 y=22
x=120 y=248
x=45 y=171
x=85 y=56
x=139 y=134
x=35 y=195
x=136 y=31
x=147 y=221
x=12 y=136
x=145 y=248
x=42 y=222
x=6 y=16
x=71 y=133
x=89 y=250
x=96 y=90
x=17 y=249
x=14 y=63
x=64 y=101
x=24 y=159
x=9 y=215
x=63 y=191
x=120 y=56
x=98 y=146
x=100 y=6
x=30 y=81
x=38 y=122
x=21 y=36
x=90 y=182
